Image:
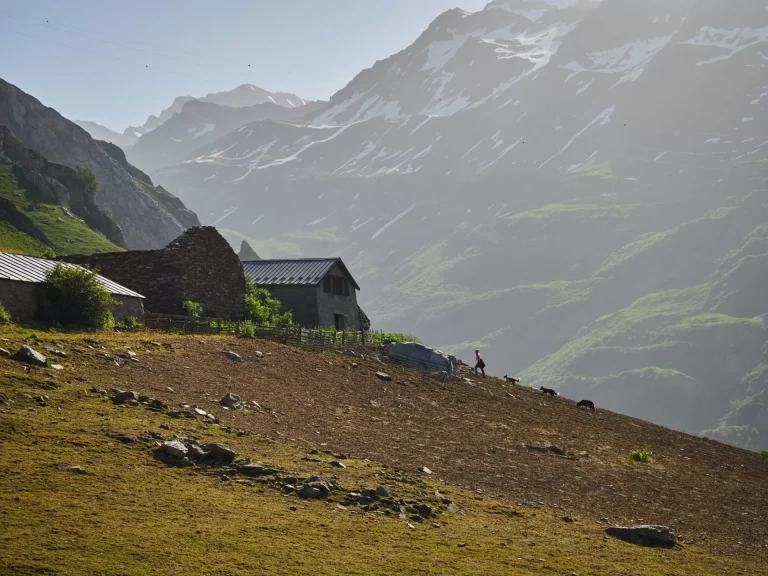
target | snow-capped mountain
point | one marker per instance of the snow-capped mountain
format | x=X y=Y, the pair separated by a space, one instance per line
x=491 y=183
x=242 y=96
x=197 y=125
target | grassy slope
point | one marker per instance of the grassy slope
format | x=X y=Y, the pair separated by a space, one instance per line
x=12 y=240
x=132 y=515
x=70 y=236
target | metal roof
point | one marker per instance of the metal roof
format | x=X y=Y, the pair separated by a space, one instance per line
x=19 y=268
x=303 y=271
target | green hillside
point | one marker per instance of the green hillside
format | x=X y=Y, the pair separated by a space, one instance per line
x=66 y=233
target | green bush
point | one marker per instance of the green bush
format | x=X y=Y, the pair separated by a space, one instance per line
x=247 y=330
x=5 y=316
x=48 y=253
x=131 y=323
x=396 y=337
x=644 y=455
x=86 y=175
x=764 y=453
x=192 y=308
x=74 y=296
x=262 y=309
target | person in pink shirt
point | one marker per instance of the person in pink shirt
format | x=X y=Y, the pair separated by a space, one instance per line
x=480 y=364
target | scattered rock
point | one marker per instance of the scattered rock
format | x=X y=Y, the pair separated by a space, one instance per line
x=383 y=376
x=171 y=390
x=310 y=493
x=220 y=452
x=125 y=439
x=200 y=412
x=4 y=353
x=258 y=354
x=424 y=510
x=233 y=356
x=77 y=470
x=426 y=470
x=57 y=366
x=121 y=397
x=354 y=365
x=453 y=509
x=252 y=470
x=382 y=492
x=337 y=464
x=30 y=356
x=195 y=451
x=174 y=449
x=59 y=353
x=643 y=535
x=231 y=401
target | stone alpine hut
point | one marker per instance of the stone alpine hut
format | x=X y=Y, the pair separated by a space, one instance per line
x=199 y=265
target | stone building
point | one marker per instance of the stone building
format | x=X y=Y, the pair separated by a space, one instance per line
x=199 y=265
x=21 y=278
x=319 y=291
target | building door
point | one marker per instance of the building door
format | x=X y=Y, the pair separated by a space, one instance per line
x=338 y=321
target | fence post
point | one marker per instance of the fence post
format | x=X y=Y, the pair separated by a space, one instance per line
x=219 y=326
x=344 y=339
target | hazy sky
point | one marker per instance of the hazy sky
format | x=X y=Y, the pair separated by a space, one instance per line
x=118 y=61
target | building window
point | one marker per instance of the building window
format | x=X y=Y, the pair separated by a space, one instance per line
x=338 y=321
x=327 y=284
x=346 y=287
x=338 y=286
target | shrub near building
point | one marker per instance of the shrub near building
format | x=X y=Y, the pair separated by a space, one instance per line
x=74 y=296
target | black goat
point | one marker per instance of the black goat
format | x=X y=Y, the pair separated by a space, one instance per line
x=512 y=380
x=548 y=391
x=587 y=404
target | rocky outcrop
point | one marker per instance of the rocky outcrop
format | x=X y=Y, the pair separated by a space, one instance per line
x=247 y=254
x=10 y=214
x=169 y=202
x=145 y=221
x=53 y=183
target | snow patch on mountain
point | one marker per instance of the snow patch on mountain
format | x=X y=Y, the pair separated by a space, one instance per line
x=603 y=118
x=732 y=42
x=628 y=60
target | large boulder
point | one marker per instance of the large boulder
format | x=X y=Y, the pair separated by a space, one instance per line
x=174 y=449
x=231 y=401
x=643 y=535
x=421 y=357
x=30 y=356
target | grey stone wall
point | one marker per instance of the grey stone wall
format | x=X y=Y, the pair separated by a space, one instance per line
x=199 y=265
x=20 y=299
x=329 y=304
x=301 y=300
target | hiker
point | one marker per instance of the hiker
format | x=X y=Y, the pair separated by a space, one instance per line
x=480 y=364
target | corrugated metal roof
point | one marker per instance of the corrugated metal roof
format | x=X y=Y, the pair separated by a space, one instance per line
x=304 y=271
x=21 y=268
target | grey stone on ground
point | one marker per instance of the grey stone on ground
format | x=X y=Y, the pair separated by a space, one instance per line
x=126 y=439
x=252 y=470
x=310 y=492
x=233 y=356
x=194 y=450
x=383 y=376
x=219 y=451
x=337 y=464
x=4 y=353
x=30 y=356
x=643 y=535
x=382 y=492
x=122 y=397
x=231 y=401
x=77 y=470
x=321 y=485
x=174 y=448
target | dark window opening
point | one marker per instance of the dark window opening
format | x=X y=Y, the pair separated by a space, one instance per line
x=327 y=284
x=346 y=287
x=338 y=321
x=338 y=286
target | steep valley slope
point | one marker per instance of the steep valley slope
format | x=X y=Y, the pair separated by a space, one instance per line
x=81 y=475
x=579 y=188
x=146 y=217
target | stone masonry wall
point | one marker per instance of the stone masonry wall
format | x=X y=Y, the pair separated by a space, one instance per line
x=20 y=299
x=199 y=265
x=329 y=304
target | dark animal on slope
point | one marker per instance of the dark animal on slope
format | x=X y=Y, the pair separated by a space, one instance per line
x=587 y=404
x=548 y=391
x=513 y=380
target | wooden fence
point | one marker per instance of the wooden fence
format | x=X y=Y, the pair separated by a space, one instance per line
x=317 y=338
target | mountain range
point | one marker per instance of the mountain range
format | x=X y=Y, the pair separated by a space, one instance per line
x=576 y=187
x=148 y=216
x=244 y=96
